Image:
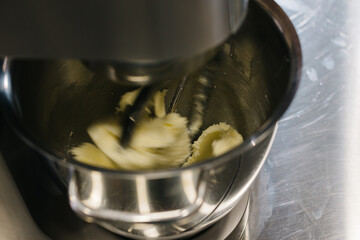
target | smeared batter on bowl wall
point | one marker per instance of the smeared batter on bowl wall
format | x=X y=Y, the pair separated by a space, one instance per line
x=158 y=142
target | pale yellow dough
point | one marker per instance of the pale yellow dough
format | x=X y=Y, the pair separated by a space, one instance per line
x=88 y=153
x=155 y=105
x=214 y=141
x=156 y=143
x=127 y=99
x=159 y=142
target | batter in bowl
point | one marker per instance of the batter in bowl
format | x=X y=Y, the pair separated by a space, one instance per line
x=159 y=141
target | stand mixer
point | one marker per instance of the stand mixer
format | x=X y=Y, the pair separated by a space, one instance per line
x=51 y=101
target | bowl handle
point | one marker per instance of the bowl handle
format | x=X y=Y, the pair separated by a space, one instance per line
x=90 y=214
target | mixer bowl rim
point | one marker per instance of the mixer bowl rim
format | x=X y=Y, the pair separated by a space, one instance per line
x=291 y=39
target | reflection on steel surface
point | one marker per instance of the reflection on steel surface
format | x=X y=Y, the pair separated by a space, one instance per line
x=309 y=187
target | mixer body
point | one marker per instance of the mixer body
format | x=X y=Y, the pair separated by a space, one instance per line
x=137 y=41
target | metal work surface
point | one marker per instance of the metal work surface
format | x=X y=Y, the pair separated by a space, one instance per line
x=310 y=185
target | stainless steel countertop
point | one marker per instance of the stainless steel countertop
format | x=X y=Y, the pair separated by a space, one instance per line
x=310 y=185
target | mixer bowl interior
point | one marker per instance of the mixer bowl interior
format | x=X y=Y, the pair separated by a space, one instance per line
x=57 y=100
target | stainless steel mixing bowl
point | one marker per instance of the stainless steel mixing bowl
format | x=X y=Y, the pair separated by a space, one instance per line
x=254 y=77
